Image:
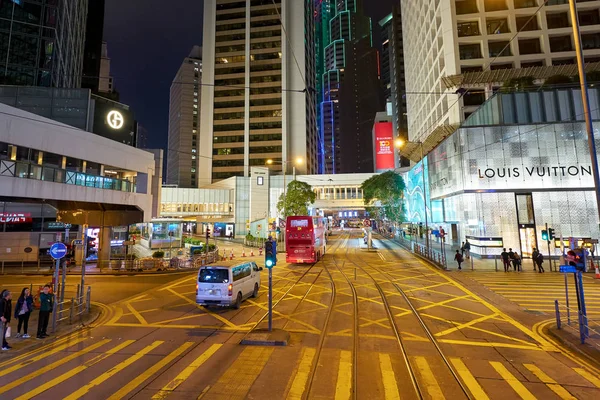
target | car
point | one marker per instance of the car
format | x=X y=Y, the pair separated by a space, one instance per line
x=227 y=286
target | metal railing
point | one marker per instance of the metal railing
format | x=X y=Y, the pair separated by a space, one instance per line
x=436 y=256
x=587 y=329
x=69 y=310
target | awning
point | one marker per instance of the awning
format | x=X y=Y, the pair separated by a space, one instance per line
x=412 y=150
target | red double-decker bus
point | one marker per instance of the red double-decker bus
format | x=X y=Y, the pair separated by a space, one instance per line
x=305 y=239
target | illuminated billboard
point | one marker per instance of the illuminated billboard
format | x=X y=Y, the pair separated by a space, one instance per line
x=384 y=146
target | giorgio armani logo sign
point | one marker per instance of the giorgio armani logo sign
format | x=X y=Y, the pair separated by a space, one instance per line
x=541 y=172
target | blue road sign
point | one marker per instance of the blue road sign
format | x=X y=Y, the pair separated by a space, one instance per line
x=58 y=251
x=567 y=269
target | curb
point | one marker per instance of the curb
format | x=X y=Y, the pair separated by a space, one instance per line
x=568 y=344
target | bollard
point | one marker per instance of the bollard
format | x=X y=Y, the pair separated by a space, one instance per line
x=557 y=311
x=54 y=314
x=496 y=262
x=89 y=299
x=71 y=310
x=472 y=266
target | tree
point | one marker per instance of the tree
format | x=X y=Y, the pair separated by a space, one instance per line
x=298 y=196
x=383 y=196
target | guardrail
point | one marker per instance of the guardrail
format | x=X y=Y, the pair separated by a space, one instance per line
x=77 y=306
x=585 y=325
x=436 y=256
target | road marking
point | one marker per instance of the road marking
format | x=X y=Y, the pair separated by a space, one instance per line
x=208 y=312
x=592 y=378
x=32 y=360
x=235 y=383
x=343 y=387
x=137 y=381
x=551 y=383
x=50 y=384
x=388 y=377
x=465 y=325
x=468 y=378
x=433 y=388
x=517 y=386
x=137 y=315
x=5 y=388
x=299 y=383
x=492 y=344
x=187 y=372
x=113 y=371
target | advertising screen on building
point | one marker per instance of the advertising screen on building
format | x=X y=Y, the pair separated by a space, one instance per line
x=384 y=146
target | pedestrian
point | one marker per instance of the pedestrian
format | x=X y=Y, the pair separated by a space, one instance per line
x=540 y=260
x=459 y=259
x=534 y=256
x=23 y=311
x=46 y=305
x=516 y=262
x=467 y=247
x=5 y=313
x=505 y=260
x=462 y=249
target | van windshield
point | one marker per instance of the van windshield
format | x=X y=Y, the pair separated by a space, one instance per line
x=210 y=275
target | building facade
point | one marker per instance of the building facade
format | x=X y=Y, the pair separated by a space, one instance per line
x=42 y=43
x=94 y=31
x=258 y=84
x=351 y=88
x=184 y=116
x=519 y=162
x=466 y=37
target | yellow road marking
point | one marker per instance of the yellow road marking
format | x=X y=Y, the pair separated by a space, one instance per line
x=343 y=387
x=113 y=371
x=125 y=390
x=40 y=349
x=177 y=283
x=468 y=378
x=186 y=373
x=50 y=384
x=39 y=357
x=5 y=388
x=514 y=383
x=235 y=383
x=388 y=377
x=551 y=383
x=428 y=378
x=212 y=314
x=299 y=383
x=117 y=316
x=465 y=325
x=592 y=378
x=137 y=315
x=426 y=288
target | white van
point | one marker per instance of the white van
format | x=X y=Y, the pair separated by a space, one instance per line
x=227 y=286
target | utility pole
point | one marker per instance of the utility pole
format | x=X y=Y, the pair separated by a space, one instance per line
x=585 y=101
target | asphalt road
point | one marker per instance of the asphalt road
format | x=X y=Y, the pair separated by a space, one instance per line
x=376 y=324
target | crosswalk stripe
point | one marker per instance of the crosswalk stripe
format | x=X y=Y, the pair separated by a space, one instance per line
x=38 y=350
x=389 y=377
x=469 y=379
x=343 y=387
x=113 y=371
x=5 y=388
x=551 y=383
x=32 y=360
x=186 y=373
x=592 y=378
x=517 y=386
x=433 y=388
x=150 y=371
x=299 y=383
x=69 y=374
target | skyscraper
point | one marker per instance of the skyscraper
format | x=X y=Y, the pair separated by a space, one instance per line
x=94 y=31
x=184 y=110
x=258 y=100
x=351 y=94
x=392 y=73
x=42 y=43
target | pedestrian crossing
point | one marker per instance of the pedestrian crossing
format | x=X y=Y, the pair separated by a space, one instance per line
x=537 y=292
x=113 y=368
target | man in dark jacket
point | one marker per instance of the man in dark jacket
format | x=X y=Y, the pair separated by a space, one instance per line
x=534 y=257
x=505 y=260
x=46 y=305
x=6 y=312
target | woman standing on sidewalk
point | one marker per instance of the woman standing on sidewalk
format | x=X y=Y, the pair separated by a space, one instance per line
x=5 y=312
x=23 y=311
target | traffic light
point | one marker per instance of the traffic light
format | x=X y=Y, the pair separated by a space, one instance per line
x=550 y=234
x=90 y=246
x=270 y=260
x=207 y=233
x=545 y=235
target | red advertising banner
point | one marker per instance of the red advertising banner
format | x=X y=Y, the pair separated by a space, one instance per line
x=384 y=146
x=15 y=218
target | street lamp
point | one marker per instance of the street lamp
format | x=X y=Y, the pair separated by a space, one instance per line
x=400 y=143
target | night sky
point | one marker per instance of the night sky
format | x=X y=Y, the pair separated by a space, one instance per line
x=147 y=41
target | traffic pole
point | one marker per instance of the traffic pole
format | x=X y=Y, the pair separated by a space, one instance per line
x=83 y=258
x=548 y=243
x=270 y=299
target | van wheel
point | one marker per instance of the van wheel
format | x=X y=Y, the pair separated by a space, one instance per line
x=238 y=302
x=255 y=292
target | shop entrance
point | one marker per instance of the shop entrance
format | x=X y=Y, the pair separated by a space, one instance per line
x=528 y=242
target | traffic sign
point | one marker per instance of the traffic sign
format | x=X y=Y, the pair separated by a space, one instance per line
x=367 y=222
x=58 y=251
x=567 y=269
x=78 y=242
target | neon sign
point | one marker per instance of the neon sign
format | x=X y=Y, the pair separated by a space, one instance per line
x=15 y=218
x=115 y=119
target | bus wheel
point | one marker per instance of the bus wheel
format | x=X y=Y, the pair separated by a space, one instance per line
x=238 y=302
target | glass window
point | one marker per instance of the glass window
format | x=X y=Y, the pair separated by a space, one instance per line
x=213 y=275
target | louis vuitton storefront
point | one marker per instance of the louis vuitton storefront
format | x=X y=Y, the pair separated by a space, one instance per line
x=520 y=162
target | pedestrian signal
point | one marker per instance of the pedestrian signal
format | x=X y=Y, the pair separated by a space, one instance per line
x=550 y=234
x=545 y=235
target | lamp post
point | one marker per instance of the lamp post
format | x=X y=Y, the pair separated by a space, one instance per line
x=399 y=143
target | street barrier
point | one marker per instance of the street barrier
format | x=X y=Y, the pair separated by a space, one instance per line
x=71 y=309
x=436 y=256
x=587 y=329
